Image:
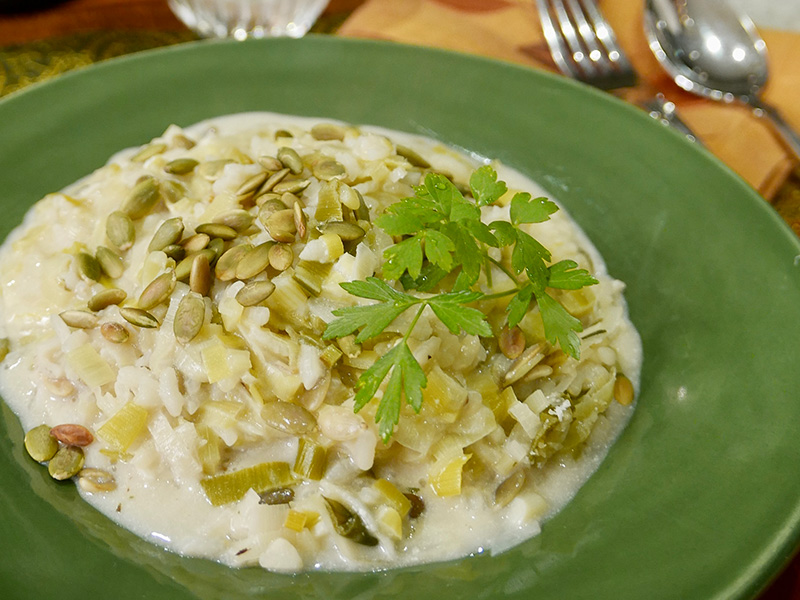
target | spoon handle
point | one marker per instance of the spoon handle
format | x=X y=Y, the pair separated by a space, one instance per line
x=664 y=111
x=789 y=136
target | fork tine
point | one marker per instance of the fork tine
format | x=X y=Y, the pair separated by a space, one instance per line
x=579 y=55
x=606 y=36
x=558 y=48
x=595 y=54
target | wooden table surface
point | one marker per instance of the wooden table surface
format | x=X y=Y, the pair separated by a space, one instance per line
x=54 y=18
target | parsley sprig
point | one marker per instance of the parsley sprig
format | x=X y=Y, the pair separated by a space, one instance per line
x=442 y=234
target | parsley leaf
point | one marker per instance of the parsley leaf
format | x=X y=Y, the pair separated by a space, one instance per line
x=559 y=325
x=444 y=244
x=403 y=256
x=407 y=380
x=372 y=319
x=451 y=311
x=525 y=209
x=566 y=275
x=485 y=187
x=519 y=305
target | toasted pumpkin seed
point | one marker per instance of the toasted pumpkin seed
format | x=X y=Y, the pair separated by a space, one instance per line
x=509 y=489
x=237 y=219
x=263 y=198
x=623 y=390
x=212 y=169
x=281 y=257
x=40 y=444
x=511 y=342
x=180 y=166
x=272 y=181
x=167 y=234
x=184 y=268
x=412 y=157
x=59 y=386
x=67 y=462
x=158 y=290
x=327 y=131
x=362 y=212
x=142 y=199
x=96 y=480
x=106 y=298
x=148 y=151
x=172 y=191
x=270 y=163
x=347 y=232
x=138 y=317
x=114 y=332
x=225 y=269
x=328 y=169
x=217 y=230
x=196 y=242
x=300 y=220
x=255 y=292
x=290 y=159
x=120 y=230
x=80 y=319
x=110 y=262
x=175 y=251
x=217 y=246
x=254 y=261
x=200 y=275
x=279 y=496
x=523 y=364
x=88 y=266
x=72 y=435
x=283 y=133
x=189 y=317
x=5 y=348
x=294 y=186
x=280 y=225
x=252 y=183
x=288 y=417
x=268 y=207
x=181 y=141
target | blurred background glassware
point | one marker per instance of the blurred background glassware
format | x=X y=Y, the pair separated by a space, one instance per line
x=243 y=19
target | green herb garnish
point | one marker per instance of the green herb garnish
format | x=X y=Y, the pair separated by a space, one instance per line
x=444 y=239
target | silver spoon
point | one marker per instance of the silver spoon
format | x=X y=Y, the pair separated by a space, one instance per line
x=713 y=51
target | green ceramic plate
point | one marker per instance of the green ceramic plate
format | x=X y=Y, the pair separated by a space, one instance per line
x=700 y=498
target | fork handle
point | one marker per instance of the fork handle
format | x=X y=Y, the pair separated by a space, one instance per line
x=664 y=112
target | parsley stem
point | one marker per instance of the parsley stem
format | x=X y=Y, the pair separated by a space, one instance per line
x=414 y=322
x=504 y=269
x=497 y=295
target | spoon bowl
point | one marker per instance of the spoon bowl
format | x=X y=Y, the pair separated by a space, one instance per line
x=713 y=51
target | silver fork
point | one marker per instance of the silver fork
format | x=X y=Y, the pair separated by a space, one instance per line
x=584 y=47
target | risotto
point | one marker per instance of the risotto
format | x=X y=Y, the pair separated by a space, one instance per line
x=209 y=336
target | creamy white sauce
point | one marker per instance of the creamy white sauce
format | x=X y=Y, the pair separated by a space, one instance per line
x=158 y=494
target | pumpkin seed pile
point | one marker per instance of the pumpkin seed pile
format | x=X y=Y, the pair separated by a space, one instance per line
x=61 y=448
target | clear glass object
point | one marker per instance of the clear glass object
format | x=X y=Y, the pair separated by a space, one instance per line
x=243 y=19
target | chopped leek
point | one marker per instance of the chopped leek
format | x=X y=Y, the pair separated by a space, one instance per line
x=295 y=520
x=230 y=487
x=311 y=460
x=393 y=496
x=447 y=481
x=92 y=368
x=125 y=427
